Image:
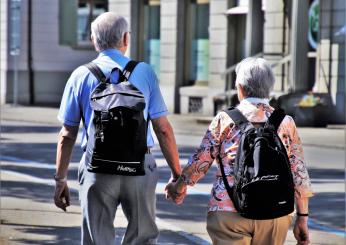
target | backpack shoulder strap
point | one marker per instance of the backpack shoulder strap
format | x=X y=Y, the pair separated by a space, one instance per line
x=126 y=73
x=238 y=118
x=276 y=118
x=96 y=71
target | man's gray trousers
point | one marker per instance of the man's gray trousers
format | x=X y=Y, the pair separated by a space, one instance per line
x=100 y=195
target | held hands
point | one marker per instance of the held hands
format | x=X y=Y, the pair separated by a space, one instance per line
x=300 y=230
x=61 y=195
x=175 y=191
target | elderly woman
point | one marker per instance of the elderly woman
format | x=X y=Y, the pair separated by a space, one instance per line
x=225 y=226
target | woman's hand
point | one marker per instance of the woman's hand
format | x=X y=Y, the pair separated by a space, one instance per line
x=176 y=191
x=300 y=230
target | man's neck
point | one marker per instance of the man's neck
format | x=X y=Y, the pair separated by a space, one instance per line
x=122 y=50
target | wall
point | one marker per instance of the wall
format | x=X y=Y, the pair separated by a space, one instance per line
x=52 y=63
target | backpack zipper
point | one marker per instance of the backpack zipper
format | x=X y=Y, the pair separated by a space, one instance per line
x=121 y=118
x=121 y=93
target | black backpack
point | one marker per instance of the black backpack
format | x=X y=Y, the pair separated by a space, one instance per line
x=263 y=183
x=117 y=143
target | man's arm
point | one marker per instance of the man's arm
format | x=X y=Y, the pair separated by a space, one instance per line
x=164 y=133
x=67 y=139
x=300 y=230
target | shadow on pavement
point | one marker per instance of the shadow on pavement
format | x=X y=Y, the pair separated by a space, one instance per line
x=32 y=191
x=328 y=209
x=29 y=129
x=59 y=235
x=330 y=174
x=43 y=173
x=38 y=152
x=194 y=208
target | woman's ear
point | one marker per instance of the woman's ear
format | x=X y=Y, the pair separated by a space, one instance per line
x=240 y=92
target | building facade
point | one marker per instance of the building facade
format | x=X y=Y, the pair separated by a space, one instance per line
x=193 y=46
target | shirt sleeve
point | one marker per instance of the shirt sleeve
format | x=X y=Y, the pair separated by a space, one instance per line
x=70 y=111
x=157 y=107
x=291 y=140
x=201 y=161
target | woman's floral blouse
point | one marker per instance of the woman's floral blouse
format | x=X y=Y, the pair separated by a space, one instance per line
x=221 y=142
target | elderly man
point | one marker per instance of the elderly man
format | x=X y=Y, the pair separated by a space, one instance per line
x=225 y=225
x=100 y=194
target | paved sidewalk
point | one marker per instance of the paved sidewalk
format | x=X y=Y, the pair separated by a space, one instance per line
x=189 y=130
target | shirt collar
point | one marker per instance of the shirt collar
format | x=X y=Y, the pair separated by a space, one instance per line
x=110 y=52
x=254 y=100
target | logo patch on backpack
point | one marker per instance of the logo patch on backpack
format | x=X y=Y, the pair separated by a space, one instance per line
x=263 y=183
x=118 y=139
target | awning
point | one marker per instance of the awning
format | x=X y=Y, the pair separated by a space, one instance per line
x=243 y=8
x=237 y=10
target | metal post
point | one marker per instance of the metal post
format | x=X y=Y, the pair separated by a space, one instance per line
x=299 y=45
x=15 y=80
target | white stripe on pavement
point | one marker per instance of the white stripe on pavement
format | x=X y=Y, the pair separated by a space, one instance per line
x=19 y=162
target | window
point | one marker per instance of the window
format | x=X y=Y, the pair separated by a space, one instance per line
x=199 y=31
x=88 y=10
x=145 y=36
x=75 y=18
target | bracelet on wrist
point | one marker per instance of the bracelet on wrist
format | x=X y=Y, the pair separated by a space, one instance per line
x=185 y=180
x=57 y=179
x=175 y=178
x=302 y=214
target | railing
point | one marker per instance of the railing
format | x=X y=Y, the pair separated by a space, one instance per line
x=230 y=72
x=229 y=75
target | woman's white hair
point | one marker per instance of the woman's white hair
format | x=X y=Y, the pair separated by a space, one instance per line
x=256 y=77
x=108 y=30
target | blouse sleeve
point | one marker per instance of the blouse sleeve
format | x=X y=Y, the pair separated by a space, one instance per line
x=290 y=138
x=200 y=162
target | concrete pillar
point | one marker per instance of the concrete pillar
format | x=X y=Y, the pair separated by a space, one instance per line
x=299 y=45
x=168 y=53
x=254 y=28
x=217 y=44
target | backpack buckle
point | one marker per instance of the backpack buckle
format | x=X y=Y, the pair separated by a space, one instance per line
x=105 y=117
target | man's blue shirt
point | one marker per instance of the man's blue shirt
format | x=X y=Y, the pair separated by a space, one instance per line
x=76 y=97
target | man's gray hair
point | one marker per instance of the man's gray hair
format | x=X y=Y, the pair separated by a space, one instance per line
x=256 y=77
x=108 y=30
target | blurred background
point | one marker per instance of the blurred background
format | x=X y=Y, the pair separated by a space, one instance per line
x=193 y=47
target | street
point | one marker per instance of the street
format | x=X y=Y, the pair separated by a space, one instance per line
x=28 y=215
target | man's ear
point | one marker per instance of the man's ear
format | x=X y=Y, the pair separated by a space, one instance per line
x=93 y=41
x=126 y=39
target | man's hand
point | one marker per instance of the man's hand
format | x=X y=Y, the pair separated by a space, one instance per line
x=61 y=195
x=176 y=191
x=67 y=138
x=300 y=230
